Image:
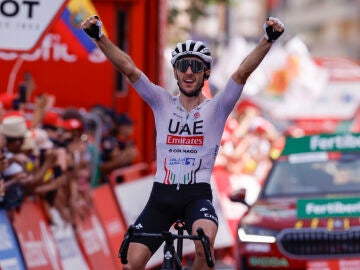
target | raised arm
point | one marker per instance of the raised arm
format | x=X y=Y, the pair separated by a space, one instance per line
x=273 y=28
x=120 y=60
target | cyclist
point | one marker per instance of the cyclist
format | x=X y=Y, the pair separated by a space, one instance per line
x=189 y=129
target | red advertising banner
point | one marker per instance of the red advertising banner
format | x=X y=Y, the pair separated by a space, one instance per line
x=92 y=238
x=35 y=238
x=110 y=216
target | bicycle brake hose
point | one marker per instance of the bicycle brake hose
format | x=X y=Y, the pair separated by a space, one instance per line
x=206 y=244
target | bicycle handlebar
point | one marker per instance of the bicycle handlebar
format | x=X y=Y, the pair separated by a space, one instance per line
x=165 y=235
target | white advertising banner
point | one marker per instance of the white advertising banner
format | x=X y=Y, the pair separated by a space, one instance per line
x=340 y=101
x=22 y=23
x=70 y=253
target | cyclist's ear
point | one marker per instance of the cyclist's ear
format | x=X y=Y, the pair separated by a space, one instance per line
x=207 y=74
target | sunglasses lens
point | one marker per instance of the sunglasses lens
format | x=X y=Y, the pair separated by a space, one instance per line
x=182 y=65
x=196 y=66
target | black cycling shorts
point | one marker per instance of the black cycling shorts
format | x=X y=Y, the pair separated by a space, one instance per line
x=167 y=204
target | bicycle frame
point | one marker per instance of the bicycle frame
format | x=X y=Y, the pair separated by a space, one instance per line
x=172 y=259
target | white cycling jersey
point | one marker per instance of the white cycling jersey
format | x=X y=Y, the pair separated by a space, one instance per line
x=187 y=142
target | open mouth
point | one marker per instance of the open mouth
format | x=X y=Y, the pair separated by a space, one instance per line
x=188 y=81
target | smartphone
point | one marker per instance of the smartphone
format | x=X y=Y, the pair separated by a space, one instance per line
x=22 y=94
x=16 y=104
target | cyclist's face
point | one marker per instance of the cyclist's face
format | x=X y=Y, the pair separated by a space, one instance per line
x=189 y=72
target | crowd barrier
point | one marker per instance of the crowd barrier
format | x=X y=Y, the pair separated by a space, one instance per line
x=128 y=173
x=30 y=240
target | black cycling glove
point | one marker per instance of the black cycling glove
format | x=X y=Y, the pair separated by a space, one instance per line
x=94 y=31
x=271 y=34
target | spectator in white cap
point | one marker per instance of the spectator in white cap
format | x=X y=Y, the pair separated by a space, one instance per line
x=13 y=128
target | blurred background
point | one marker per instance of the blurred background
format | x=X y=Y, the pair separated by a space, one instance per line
x=328 y=28
x=59 y=92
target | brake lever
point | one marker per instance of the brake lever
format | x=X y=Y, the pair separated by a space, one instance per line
x=125 y=245
x=206 y=244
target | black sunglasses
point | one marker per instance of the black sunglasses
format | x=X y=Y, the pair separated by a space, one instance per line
x=196 y=65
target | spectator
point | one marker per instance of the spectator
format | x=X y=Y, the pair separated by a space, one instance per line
x=3 y=166
x=116 y=148
x=106 y=116
x=53 y=124
x=46 y=181
x=108 y=141
x=13 y=129
x=79 y=159
x=124 y=131
x=43 y=103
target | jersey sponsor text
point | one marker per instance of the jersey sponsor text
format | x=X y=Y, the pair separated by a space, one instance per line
x=188 y=140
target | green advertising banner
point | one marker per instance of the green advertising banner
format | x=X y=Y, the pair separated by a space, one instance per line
x=322 y=143
x=326 y=208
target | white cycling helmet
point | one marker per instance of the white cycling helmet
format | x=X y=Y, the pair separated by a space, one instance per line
x=192 y=48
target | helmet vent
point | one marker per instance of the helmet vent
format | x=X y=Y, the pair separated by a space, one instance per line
x=194 y=48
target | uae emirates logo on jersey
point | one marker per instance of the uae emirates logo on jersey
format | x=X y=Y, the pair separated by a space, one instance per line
x=185 y=134
x=182 y=140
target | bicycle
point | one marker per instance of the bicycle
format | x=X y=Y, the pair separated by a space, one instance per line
x=172 y=258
